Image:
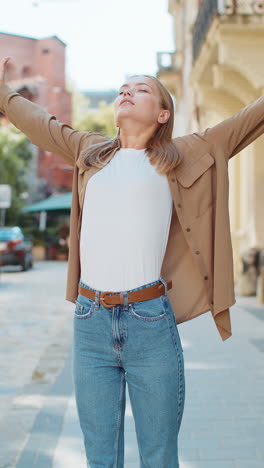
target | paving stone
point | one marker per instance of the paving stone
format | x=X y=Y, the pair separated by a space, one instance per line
x=69 y=450
x=228 y=453
x=206 y=464
x=245 y=464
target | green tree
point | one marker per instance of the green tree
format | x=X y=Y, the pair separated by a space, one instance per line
x=15 y=155
x=98 y=121
x=90 y=120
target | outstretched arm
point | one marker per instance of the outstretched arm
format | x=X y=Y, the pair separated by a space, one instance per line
x=41 y=127
x=238 y=131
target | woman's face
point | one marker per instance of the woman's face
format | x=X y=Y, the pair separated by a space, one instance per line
x=144 y=106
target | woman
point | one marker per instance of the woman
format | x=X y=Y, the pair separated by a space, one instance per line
x=154 y=208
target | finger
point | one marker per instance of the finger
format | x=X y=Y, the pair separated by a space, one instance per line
x=3 y=65
x=5 y=60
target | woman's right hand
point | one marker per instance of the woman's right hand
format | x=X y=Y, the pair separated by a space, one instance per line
x=3 y=66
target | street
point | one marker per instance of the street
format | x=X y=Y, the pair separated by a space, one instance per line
x=223 y=421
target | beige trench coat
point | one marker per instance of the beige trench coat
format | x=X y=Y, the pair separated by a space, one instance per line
x=198 y=257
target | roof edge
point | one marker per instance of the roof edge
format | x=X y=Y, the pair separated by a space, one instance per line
x=22 y=36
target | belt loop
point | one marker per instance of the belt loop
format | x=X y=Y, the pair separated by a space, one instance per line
x=164 y=283
x=125 y=295
x=96 y=300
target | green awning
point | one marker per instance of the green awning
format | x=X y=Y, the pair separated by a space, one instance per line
x=54 y=202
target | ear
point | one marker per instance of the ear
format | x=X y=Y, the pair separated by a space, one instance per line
x=164 y=116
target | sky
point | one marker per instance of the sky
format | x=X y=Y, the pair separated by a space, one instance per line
x=107 y=40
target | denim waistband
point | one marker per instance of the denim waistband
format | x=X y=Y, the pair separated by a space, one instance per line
x=125 y=292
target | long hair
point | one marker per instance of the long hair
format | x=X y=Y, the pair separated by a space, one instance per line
x=160 y=149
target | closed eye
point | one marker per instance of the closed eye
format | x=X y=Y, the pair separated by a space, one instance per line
x=144 y=90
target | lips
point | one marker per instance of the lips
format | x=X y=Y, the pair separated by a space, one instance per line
x=126 y=100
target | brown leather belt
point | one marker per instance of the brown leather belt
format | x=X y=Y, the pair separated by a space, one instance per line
x=114 y=298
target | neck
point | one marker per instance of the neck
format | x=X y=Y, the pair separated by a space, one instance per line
x=136 y=141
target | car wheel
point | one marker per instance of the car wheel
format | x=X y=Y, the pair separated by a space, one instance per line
x=26 y=263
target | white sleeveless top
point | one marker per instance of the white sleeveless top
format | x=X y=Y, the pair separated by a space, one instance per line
x=125 y=223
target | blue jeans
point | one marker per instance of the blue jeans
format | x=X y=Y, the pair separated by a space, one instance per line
x=138 y=344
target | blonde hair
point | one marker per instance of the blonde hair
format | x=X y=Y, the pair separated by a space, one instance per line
x=160 y=148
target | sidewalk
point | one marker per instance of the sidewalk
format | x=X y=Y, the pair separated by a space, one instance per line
x=223 y=421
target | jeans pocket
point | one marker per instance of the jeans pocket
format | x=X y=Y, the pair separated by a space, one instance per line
x=83 y=308
x=149 y=311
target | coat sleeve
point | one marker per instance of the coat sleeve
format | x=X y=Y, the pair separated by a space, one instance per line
x=238 y=131
x=42 y=128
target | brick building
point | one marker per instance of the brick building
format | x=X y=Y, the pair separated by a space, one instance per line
x=38 y=73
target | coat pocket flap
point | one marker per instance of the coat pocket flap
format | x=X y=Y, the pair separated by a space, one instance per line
x=189 y=174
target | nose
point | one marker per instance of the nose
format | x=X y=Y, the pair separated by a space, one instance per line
x=126 y=91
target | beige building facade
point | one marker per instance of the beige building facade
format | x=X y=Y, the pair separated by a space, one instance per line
x=218 y=68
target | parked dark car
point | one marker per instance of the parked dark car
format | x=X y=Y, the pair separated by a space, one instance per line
x=15 y=248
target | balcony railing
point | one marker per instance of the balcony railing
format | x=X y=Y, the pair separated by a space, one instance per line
x=209 y=8
x=169 y=61
x=241 y=7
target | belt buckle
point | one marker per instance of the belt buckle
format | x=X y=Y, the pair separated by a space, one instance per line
x=102 y=298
